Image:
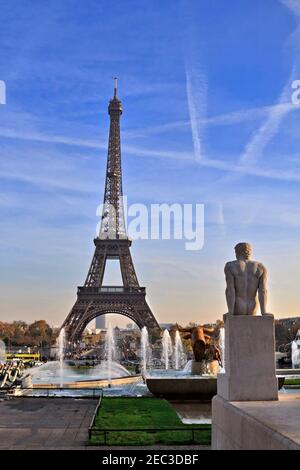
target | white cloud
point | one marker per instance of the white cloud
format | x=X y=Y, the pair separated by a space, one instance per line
x=59 y=181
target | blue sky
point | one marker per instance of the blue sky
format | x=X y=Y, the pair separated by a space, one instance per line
x=208 y=118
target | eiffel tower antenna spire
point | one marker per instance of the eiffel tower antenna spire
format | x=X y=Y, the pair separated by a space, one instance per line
x=115 y=86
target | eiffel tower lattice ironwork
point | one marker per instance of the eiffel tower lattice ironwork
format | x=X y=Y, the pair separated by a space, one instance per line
x=112 y=242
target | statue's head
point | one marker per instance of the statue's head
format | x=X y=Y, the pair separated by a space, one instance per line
x=243 y=251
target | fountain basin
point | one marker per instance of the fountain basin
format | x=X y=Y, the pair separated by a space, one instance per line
x=187 y=388
x=132 y=379
x=200 y=388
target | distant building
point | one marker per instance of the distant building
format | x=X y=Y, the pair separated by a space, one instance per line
x=166 y=326
x=92 y=339
x=132 y=326
x=87 y=331
x=100 y=322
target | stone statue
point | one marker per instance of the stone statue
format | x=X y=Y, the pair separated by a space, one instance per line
x=250 y=373
x=244 y=280
x=203 y=345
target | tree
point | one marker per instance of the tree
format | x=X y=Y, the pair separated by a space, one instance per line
x=6 y=332
x=39 y=332
x=19 y=330
x=18 y=333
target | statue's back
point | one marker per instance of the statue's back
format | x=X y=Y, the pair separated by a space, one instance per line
x=246 y=276
x=244 y=280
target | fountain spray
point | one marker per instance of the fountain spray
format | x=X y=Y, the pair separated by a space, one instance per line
x=179 y=352
x=222 y=348
x=109 y=350
x=61 y=352
x=145 y=349
x=295 y=352
x=167 y=348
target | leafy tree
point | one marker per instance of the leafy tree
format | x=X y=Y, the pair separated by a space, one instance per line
x=19 y=333
x=6 y=332
x=39 y=332
x=19 y=329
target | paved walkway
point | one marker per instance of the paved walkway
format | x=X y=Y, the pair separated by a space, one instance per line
x=45 y=423
x=191 y=412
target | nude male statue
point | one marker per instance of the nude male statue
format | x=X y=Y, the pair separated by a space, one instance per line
x=244 y=279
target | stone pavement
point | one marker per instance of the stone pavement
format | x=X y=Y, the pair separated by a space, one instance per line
x=45 y=423
x=193 y=412
x=257 y=425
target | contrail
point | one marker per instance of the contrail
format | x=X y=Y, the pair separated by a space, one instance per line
x=293 y=5
x=196 y=96
x=267 y=131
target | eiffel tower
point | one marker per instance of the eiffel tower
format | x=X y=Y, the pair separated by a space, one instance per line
x=95 y=299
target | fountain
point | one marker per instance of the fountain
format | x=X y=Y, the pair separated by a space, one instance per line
x=295 y=353
x=222 y=349
x=145 y=347
x=65 y=374
x=180 y=356
x=110 y=350
x=68 y=374
x=198 y=379
x=49 y=374
x=2 y=351
x=167 y=349
x=61 y=342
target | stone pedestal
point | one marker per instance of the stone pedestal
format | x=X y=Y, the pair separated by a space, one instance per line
x=250 y=373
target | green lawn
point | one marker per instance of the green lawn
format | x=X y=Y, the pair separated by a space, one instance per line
x=291 y=381
x=132 y=413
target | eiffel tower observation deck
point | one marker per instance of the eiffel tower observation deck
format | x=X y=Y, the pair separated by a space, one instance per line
x=94 y=298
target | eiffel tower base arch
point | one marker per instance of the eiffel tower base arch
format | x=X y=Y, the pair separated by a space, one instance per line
x=93 y=301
